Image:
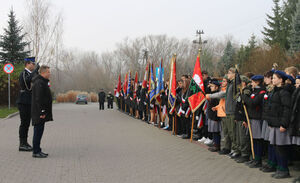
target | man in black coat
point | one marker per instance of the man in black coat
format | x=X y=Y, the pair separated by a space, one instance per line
x=41 y=109
x=110 y=101
x=24 y=101
x=101 y=98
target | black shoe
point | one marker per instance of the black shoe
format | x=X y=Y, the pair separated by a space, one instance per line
x=268 y=169
x=249 y=162
x=196 y=137
x=39 y=155
x=255 y=164
x=25 y=148
x=242 y=159
x=282 y=174
x=224 y=151
x=210 y=145
x=46 y=154
x=185 y=136
x=214 y=149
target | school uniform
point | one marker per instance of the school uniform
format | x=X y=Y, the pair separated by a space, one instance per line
x=279 y=116
x=254 y=107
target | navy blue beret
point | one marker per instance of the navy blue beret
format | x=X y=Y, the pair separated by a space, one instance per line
x=291 y=79
x=215 y=82
x=257 y=77
x=31 y=59
x=298 y=77
x=281 y=74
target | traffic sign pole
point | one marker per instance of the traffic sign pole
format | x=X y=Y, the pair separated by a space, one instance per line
x=8 y=69
x=8 y=91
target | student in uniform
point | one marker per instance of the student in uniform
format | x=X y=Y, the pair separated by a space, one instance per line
x=271 y=162
x=214 y=122
x=254 y=109
x=278 y=119
x=243 y=142
x=295 y=118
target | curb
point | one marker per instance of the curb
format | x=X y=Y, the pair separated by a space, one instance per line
x=10 y=116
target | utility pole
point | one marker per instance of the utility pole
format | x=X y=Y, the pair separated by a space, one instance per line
x=199 y=41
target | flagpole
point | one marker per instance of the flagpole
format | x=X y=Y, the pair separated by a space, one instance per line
x=192 y=128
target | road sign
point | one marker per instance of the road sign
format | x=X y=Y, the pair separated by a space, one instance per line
x=8 y=68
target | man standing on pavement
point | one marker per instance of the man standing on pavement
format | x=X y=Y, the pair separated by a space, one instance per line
x=24 y=101
x=41 y=109
x=110 y=101
x=101 y=98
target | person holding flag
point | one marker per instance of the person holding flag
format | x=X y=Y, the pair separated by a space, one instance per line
x=196 y=91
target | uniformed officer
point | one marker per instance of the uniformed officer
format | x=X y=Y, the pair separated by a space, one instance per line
x=24 y=101
x=110 y=101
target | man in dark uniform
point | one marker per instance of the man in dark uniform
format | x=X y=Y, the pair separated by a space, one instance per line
x=101 y=98
x=110 y=101
x=24 y=101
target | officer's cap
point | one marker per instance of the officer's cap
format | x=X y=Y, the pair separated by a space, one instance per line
x=30 y=59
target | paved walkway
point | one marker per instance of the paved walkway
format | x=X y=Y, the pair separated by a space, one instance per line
x=91 y=146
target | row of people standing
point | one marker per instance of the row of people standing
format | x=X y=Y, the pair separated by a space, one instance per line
x=272 y=104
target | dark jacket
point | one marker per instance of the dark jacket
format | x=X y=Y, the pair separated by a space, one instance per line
x=101 y=96
x=25 y=80
x=294 y=127
x=210 y=113
x=254 y=102
x=230 y=103
x=239 y=114
x=279 y=110
x=41 y=100
x=110 y=98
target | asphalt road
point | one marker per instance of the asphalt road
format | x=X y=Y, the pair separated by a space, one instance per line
x=86 y=145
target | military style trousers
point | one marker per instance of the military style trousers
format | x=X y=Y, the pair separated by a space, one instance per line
x=243 y=139
x=229 y=131
x=25 y=115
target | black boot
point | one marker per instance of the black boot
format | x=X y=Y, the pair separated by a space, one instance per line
x=24 y=146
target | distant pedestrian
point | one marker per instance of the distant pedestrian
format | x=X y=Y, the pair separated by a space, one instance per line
x=101 y=98
x=110 y=101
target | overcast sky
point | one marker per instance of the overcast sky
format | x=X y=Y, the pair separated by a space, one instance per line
x=97 y=25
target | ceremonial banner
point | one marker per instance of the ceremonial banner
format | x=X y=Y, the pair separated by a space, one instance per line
x=152 y=88
x=118 y=87
x=129 y=83
x=135 y=85
x=196 y=88
x=172 y=85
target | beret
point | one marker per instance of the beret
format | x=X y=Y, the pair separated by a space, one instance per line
x=257 y=77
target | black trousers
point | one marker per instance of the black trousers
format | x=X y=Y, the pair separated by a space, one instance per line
x=101 y=105
x=38 y=131
x=25 y=116
x=110 y=105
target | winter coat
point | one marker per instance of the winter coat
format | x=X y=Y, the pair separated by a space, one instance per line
x=210 y=113
x=101 y=96
x=221 y=106
x=230 y=103
x=254 y=102
x=41 y=103
x=294 y=127
x=279 y=110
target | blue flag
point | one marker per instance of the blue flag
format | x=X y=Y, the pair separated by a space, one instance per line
x=152 y=86
x=129 y=84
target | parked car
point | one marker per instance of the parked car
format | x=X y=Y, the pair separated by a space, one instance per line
x=82 y=98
